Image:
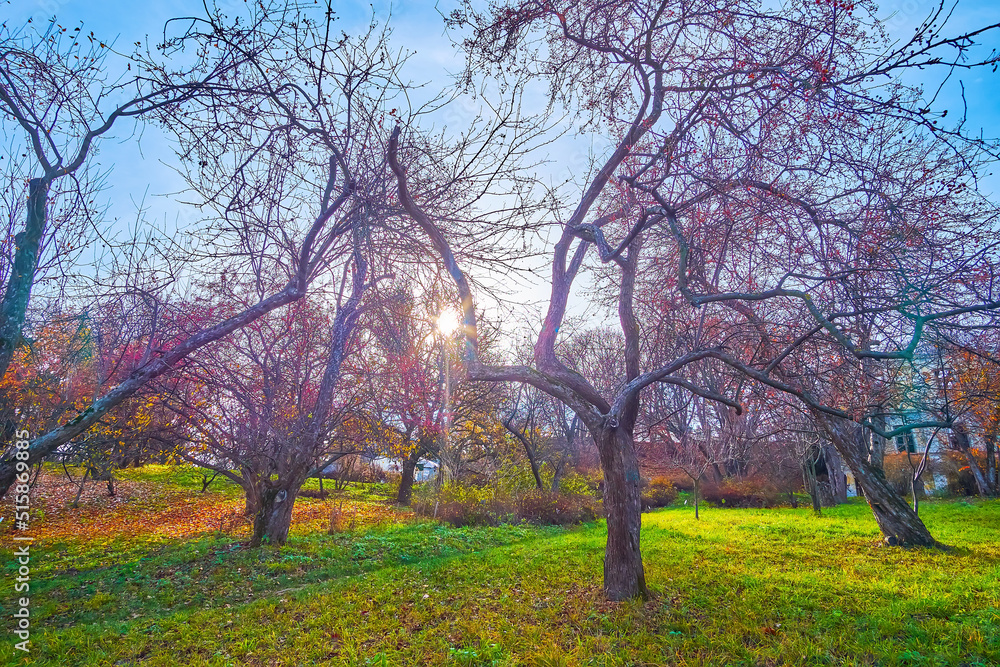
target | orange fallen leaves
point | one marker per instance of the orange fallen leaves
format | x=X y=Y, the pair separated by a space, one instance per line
x=146 y=510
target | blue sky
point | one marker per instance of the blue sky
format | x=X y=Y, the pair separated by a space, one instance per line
x=418 y=26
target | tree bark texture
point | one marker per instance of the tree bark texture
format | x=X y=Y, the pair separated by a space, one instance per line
x=899 y=524
x=274 y=515
x=22 y=276
x=624 y=577
x=991 y=464
x=405 y=492
x=809 y=479
x=835 y=472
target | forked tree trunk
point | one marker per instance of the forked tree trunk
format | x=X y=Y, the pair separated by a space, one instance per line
x=251 y=493
x=533 y=462
x=206 y=481
x=557 y=476
x=528 y=451
x=274 y=515
x=624 y=577
x=899 y=524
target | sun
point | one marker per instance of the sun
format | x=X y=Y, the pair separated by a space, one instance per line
x=448 y=321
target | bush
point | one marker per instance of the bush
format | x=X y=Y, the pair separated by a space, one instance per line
x=898 y=472
x=460 y=514
x=392 y=480
x=955 y=469
x=748 y=492
x=466 y=505
x=658 y=492
x=559 y=509
x=580 y=484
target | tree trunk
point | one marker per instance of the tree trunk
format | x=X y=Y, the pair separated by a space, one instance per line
x=405 y=492
x=27 y=247
x=529 y=452
x=252 y=493
x=206 y=481
x=76 y=501
x=809 y=479
x=696 y=498
x=624 y=577
x=960 y=439
x=557 y=475
x=835 y=472
x=875 y=446
x=899 y=524
x=274 y=515
x=534 y=465
x=991 y=465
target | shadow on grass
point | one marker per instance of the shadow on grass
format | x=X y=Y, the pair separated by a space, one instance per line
x=211 y=571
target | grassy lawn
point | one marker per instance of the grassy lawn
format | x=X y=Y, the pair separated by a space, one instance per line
x=739 y=587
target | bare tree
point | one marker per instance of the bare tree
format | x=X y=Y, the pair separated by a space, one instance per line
x=302 y=135
x=59 y=97
x=404 y=376
x=753 y=146
x=263 y=407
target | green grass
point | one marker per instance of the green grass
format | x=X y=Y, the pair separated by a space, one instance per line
x=189 y=478
x=739 y=587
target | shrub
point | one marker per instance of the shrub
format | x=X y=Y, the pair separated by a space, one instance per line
x=456 y=504
x=469 y=512
x=560 y=509
x=341 y=520
x=512 y=479
x=750 y=492
x=582 y=484
x=467 y=505
x=392 y=480
x=680 y=479
x=955 y=468
x=658 y=492
x=898 y=472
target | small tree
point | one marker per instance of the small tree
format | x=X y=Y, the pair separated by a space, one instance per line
x=265 y=405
